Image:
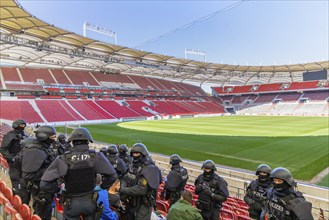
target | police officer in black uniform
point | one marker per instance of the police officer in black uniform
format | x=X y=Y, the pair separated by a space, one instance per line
x=78 y=168
x=176 y=180
x=61 y=145
x=118 y=164
x=23 y=192
x=10 y=147
x=140 y=184
x=212 y=191
x=255 y=195
x=35 y=160
x=124 y=155
x=283 y=202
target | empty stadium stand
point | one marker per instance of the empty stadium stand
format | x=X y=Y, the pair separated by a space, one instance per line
x=11 y=110
x=41 y=76
x=297 y=98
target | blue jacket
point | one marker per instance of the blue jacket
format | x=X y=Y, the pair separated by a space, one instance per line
x=103 y=197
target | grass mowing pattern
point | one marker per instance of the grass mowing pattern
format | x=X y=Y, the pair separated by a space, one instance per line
x=325 y=181
x=297 y=143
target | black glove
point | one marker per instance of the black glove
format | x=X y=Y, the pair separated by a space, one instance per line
x=207 y=191
x=122 y=191
x=218 y=197
x=257 y=206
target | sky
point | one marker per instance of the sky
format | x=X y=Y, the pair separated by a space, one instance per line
x=230 y=32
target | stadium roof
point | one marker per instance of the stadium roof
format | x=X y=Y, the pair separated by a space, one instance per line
x=29 y=41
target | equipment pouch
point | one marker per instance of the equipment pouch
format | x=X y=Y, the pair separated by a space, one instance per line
x=205 y=202
x=34 y=188
x=95 y=197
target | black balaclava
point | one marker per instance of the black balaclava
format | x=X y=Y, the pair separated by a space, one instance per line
x=20 y=128
x=281 y=187
x=209 y=175
x=80 y=142
x=122 y=153
x=49 y=141
x=263 y=178
x=137 y=160
x=175 y=166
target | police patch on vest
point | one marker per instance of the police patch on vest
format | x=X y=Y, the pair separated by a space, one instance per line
x=80 y=157
x=143 y=182
x=276 y=206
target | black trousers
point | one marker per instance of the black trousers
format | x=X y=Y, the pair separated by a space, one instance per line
x=214 y=216
x=143 y=212
x=15 y=177
x=42 y=204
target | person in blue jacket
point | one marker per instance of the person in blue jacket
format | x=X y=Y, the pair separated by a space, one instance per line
x=103 y=201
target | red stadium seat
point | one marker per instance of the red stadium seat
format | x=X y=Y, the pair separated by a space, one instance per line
x=8 y=194
x=241 y=212
x=235 y=205
x=243 y=217
x=25 y=212
x=227 y=215
x=227 y=206
x=2 y=186
x=59 y=206
x=11 y=212
x=3 y=202
x=243 y=205
x=162 y=205
x=17 y=202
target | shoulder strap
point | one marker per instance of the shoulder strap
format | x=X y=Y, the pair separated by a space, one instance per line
x=286 y=199
x=36 y=146
x=92 y=153
x=252 y=186
x=200 y=178
x=289 y=197
x=299 y=194
x=67 y=157
x=269 y=193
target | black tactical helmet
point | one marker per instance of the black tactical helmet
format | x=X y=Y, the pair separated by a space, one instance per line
x=80 y=134
x=18 y=122
x=103 y=150
x=123 y=148
x=44 y=132
x=284 y=174
x=26 y=142
x=61 y=137
x=112 y=149
x=139 y=148
x=175 y=159
x=209 y=164
x=263 y=168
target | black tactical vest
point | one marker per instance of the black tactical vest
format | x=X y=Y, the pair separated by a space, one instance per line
x=258 y=190
x=81 y=174
x=277 y=206
x=212 y=184
x=15 y=146
x=113 y=160
x=131 y=177
x=126 y=159
x=51 y=155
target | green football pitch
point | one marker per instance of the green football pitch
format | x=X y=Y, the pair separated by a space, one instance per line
x=297 y=143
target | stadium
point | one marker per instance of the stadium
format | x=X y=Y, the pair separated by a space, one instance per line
x=275 y=114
